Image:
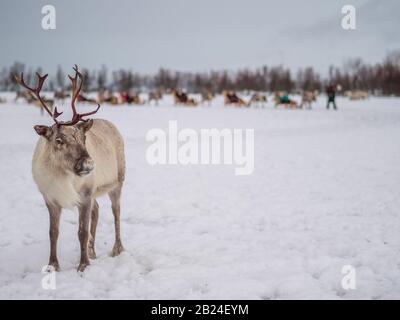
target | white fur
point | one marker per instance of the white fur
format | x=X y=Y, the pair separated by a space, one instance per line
x=60 y=186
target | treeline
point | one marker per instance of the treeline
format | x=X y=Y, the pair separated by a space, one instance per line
x=380 y=78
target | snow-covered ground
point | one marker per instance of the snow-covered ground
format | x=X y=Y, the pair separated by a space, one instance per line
x=324 y=193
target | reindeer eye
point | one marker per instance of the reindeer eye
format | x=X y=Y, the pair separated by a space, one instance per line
x=59 y=141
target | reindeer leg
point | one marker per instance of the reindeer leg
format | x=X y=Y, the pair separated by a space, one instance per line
x=93 y=225
x=115 y=196
x=55 y=212
x=83 y=233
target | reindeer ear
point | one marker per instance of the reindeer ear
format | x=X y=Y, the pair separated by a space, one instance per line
x=85 y=126
x=43 y=131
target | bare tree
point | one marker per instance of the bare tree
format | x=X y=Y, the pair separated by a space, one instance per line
x=60 y=78
x=102 y=78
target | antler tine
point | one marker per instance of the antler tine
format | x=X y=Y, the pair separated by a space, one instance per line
x=76 y=89
x=36 y=91
x=89 y=113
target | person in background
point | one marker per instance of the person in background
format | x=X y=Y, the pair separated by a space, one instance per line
x=331 y=93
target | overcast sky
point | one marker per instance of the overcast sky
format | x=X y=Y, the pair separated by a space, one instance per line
x=189 y=35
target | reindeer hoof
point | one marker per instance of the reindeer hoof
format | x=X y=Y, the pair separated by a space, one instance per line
x=53 y=266
x=118 y=248
x=82 y=266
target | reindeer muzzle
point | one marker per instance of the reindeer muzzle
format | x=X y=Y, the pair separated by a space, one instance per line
x=84 y=166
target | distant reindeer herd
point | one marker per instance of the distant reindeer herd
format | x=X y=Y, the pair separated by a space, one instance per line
x=305 y=99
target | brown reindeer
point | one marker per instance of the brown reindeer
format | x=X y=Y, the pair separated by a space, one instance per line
x=75 y=162
x=183 y=98
x=231 y=98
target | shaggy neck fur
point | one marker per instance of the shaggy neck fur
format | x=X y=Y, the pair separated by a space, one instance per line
x=55 y=182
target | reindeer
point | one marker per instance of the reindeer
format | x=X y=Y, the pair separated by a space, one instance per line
x=125 y=97
x=207 y=97
x=232 y=98
x=307 y=99
x=31 y=99
x=183 y=98
x=83 y=98
x=49 y=102
x=358 y=95
x=105 y=96
x=154 y=96
x=75 y=162
x=257 y=99
x=61 y=95
x=24 y=95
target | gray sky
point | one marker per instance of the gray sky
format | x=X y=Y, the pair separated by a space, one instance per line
x=189 y=35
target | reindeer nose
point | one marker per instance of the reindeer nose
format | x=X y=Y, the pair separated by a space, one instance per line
x=84 y=166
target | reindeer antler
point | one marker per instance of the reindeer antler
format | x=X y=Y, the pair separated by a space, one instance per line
x=76 y=89
x=36 y=93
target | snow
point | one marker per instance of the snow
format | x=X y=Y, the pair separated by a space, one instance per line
x=324 y=194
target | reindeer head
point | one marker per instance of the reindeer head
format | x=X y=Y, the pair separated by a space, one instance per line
x=66 y=139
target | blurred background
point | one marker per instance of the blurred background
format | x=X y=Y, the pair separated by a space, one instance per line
x=204 y=45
